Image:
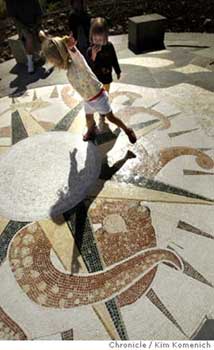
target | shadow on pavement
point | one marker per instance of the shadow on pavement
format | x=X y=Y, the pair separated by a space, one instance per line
x=23 y=78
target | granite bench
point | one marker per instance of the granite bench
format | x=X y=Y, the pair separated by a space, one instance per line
x=146 y=33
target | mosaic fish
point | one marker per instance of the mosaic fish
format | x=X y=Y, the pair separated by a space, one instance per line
x=30 y=261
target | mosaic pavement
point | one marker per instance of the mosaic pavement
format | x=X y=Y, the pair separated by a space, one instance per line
x=134 y=260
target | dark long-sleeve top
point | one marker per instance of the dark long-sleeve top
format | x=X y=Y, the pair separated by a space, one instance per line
x=25 y=11
x=106 y=59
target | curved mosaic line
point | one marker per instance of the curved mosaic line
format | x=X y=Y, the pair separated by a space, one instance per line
x=149 y=165
x=29 y=257
x=202 y=159
x=9 y=330
x=131 y=95
x=128 y=112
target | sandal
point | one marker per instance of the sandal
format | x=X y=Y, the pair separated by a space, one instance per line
x=131 y=135
x=90 y=133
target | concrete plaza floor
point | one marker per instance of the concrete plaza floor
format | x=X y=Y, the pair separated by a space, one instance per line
x=134 y=259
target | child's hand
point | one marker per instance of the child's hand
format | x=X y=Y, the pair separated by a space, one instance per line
x=118 y=76
x=71 y=42
x=94 y=51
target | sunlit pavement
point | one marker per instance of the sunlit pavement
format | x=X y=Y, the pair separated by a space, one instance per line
x=134 y=259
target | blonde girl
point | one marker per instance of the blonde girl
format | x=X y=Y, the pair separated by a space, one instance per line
x=63 y=53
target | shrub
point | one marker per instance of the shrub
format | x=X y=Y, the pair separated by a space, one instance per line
x=3 y=12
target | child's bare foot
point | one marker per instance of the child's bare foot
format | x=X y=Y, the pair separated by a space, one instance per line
x=90 y=133
x=131 y=135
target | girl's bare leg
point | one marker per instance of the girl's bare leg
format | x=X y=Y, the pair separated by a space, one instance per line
x=129 y=132
x=90 y=120
x=91 y=126
x=102 y=116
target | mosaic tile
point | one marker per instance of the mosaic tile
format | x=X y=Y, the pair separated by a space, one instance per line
x=54 y=93
x=5 y=141
x=48 y=126
x=205 y=332
x=9 y=330
x=79 y=123
x=166 y=109
x=121 y=235
x=40 y=193
x=190 y=228
x=34 y=105
x=179 y=133
x=193 y=273
x=190 y=172
x=5 y=132
x=5 y=118
x=126 y=228
x=28 y=262
x=6 y=236
x=108 y=313
x=66 y=122
x=162 y=187
x=87 y=239
x=30 y=269
x=190 y=69
x=150 y=163
x=204 y=149
x=132 y=96
x=127 y=191
x=4 y=149
x=30 y=124
x=69 y=96
x=68 y=335
x=35 y=95
x=148 y=102
x=63 y=244
x=148 y=129
x=117 y=319
x=3 y=224
x=18 y=130
x=152 y=296
x=127 y=113
x=80 y=226
x=149 y=62
x=4 y=114
x=143 y=125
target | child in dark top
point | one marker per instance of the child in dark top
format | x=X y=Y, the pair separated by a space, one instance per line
x=101 y=56
x=79 y=24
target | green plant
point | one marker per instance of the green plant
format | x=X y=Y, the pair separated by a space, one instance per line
x=43 y=4
x=54 y=6
x=3 y=11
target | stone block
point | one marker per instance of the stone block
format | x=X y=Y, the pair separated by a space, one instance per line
x=146 y=33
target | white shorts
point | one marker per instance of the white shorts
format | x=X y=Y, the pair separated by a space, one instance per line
x=101 y=105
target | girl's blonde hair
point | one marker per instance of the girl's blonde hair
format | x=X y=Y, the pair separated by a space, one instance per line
x=56 y=49
x=98 y=27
